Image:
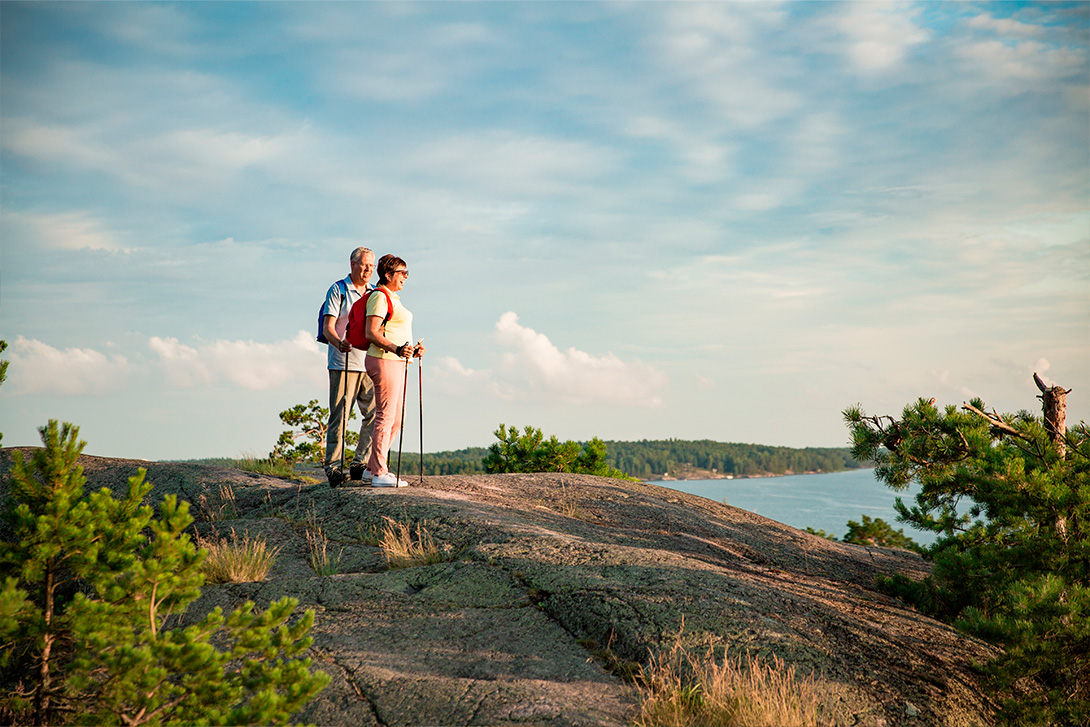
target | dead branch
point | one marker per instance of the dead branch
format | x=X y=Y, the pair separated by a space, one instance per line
x=996 y=421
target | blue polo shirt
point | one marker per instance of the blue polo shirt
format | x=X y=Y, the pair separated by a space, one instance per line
x=336 y=304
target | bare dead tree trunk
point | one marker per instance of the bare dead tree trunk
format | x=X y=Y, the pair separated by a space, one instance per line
x=1054 y=405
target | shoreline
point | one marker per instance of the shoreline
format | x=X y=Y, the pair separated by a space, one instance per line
x=666 y=477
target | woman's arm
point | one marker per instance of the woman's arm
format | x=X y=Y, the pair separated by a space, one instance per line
x=374 y=335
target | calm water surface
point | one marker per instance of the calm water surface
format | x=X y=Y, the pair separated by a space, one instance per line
x=823 y=502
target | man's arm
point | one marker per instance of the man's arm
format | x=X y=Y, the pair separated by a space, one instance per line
x=330 y=323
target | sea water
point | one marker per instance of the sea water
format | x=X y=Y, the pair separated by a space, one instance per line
x=820 y=501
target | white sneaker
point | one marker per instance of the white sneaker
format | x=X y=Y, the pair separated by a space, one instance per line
x=388 y=480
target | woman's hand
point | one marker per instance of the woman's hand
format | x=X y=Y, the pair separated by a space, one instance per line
x=418 y=349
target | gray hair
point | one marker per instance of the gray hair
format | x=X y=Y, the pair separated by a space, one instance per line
x=358 y=254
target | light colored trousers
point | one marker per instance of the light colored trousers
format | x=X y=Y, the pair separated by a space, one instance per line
x=388 y=375
x=361 y=391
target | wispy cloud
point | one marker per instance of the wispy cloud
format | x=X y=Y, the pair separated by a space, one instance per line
x=249 y=365
x=880 y=34
x=38 y=368
x=716 y=46
x=73 y=230
x=506 y=163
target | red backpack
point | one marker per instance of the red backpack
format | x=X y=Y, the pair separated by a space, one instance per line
x=356 y=333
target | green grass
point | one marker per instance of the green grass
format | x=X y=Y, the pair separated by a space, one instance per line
x=318 y=552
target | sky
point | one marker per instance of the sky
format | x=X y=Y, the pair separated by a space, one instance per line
x=630 y=220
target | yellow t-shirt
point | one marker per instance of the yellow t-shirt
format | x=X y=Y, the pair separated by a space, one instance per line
x=399 y=329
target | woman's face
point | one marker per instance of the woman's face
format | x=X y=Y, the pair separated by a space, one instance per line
x=397 y=278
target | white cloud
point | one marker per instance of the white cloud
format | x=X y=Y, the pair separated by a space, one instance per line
x=573 y=375
x=946 y=385
x=450 y=376
x=250 y=365
x=879 y=34
x=1023 y=61
x=533 y=369
x=511 y=163
x=72 y=146
x=717 y=47
x=74 y=230
x=38 y=368
x=1040 y=367
x=1005 y=26
x=702 y=159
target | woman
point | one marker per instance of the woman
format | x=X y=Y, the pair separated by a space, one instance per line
x=390 y=333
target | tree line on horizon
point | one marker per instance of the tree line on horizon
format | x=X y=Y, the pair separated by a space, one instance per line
x=649 y=459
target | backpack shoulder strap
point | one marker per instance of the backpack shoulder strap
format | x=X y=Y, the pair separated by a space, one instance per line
x=344 y=294
x=389 y=306
x=389 y=303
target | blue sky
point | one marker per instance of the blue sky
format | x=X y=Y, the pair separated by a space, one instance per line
x=628 y=220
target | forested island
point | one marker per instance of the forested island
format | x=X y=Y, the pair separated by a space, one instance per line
x=678 y=459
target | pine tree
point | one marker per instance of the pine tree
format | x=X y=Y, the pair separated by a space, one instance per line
x=878 y=532
x=94 y=588
x=305 y=441
x=531 y=452
x=1009 y=497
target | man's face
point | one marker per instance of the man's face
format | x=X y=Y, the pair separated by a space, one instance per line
x=365 y=268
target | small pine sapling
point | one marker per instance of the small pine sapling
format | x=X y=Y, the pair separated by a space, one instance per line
x=93 y=594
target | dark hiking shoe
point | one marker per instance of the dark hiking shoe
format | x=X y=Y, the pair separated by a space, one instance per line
x=335 y=477
x=359 y=473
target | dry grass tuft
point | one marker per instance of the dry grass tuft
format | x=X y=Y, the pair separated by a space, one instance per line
x=318 y=552
x=680 y=688
x=403 y=549
x=235 y=560
x=221 y=506
x=568 y=504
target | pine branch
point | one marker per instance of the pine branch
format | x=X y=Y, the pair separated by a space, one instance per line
x=996 y=421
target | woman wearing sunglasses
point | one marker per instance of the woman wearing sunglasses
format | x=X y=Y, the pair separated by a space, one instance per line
x=390 y=333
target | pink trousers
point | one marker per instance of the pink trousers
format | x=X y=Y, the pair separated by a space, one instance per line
x=388 y=375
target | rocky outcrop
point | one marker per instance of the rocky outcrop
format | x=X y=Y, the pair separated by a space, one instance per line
x=552 y=578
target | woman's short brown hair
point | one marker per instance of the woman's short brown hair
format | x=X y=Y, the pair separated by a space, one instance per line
x=386 y=265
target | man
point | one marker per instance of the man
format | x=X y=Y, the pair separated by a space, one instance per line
x=353 y=385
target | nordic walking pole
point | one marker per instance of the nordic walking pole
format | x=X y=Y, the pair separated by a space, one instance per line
x=344 y=412
x=401 y=433
x=420 y=383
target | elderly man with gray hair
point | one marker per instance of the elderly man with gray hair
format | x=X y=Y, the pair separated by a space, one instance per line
x=348 y=383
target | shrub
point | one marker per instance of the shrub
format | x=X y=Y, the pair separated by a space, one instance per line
x=93 y=588
x=879 y=532
x=531 y=452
